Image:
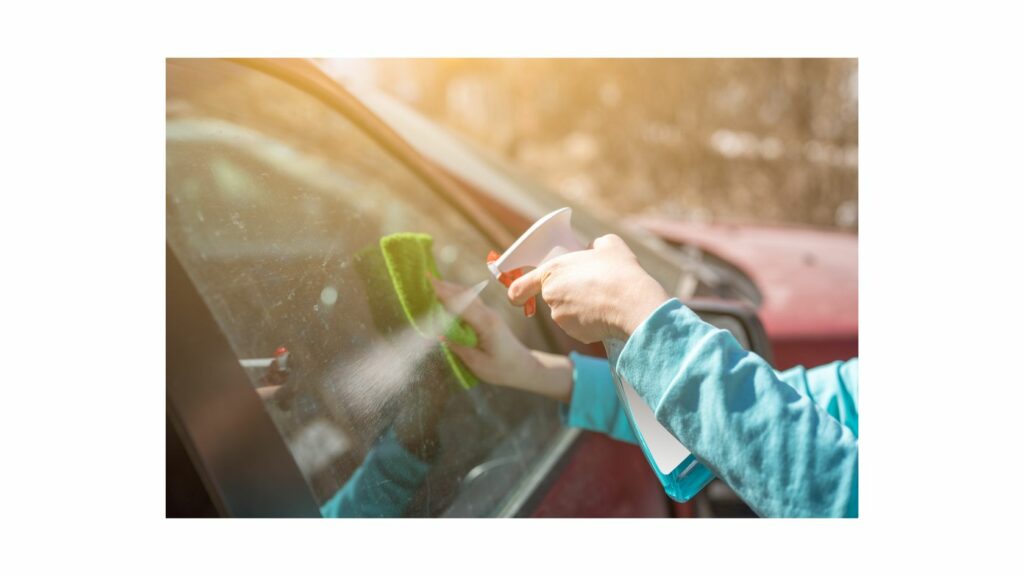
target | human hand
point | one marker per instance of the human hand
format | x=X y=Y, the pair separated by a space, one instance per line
x=499 y=357
x=594 y=294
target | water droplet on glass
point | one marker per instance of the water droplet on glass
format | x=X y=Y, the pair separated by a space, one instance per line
x=449 y=254
x=329 y=295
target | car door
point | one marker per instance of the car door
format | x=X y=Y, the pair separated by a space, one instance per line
x=272 y=195
x=719 y=294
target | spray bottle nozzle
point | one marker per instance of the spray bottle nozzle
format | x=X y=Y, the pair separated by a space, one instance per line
x=550 y=236
x=507 y=278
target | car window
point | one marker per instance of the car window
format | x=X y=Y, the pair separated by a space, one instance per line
x=273 y=201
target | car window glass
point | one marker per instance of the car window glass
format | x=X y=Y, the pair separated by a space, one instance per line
x=272 y=197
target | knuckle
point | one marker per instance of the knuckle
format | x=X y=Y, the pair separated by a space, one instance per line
x=551 y=275
x=513 y=297
x=558 y=316
x=607 y=240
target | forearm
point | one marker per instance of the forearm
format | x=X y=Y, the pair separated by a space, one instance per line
x=780 y=452
x=548 y=375
x=833 y=387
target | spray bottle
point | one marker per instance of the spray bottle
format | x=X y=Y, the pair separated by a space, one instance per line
x=678 y=470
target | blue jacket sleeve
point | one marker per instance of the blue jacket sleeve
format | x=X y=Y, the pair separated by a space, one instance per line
x=833 y=387
x=776 y=448
x=595 y=403
x=595 y=406
x=382 y=486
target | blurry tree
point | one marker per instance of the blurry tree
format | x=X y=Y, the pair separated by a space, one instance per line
x=767 y=140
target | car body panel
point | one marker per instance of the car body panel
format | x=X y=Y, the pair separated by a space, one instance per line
x=807 y=279
x=588 y=487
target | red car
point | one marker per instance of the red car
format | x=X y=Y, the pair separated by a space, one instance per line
x=280 y=379
x=804 y=282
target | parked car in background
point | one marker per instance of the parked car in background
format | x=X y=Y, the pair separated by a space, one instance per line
x=279 y=379
x=803 y=281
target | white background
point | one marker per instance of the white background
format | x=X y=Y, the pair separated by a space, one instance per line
x=82 y=230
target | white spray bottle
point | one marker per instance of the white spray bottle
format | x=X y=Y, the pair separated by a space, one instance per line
x=679 y=471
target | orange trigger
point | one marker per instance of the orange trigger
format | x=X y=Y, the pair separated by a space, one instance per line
x=507 y=278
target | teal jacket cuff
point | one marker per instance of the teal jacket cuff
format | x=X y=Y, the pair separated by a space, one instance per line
x=595 y=403
x=778 y=450
x=833 y=387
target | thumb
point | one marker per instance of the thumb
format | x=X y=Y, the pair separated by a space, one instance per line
x=608 y=242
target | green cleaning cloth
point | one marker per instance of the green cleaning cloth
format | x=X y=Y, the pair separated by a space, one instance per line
x=407 y=258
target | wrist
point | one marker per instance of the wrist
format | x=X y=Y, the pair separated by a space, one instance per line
x=640 y=308
x=529 y=371
x=552 y=376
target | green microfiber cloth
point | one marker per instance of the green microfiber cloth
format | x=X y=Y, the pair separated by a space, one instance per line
x=408 y=258
x=385 y=308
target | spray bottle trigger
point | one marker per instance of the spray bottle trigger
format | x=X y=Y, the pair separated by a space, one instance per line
x=507 y=278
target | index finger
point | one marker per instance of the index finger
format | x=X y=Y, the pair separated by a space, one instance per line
x=527 y=286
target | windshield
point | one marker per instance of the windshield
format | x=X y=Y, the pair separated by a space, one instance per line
x=274 y=201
